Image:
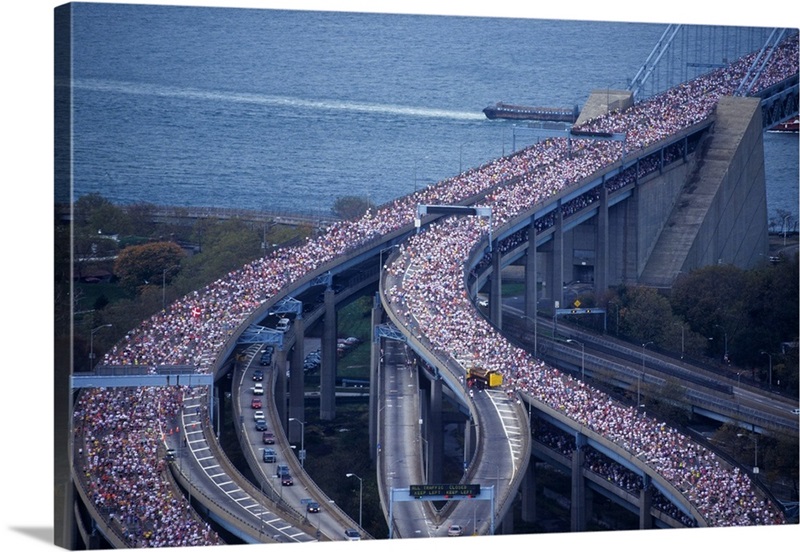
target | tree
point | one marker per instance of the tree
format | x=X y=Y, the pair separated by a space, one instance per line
x=647 y=315
x=351 y=207
x=153 y=263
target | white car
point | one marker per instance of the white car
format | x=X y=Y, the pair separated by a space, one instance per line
x=455 y=531
x=258 y=389
x=258 y=415
x=351 y=534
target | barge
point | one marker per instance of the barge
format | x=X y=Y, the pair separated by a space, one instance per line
x=502 y=110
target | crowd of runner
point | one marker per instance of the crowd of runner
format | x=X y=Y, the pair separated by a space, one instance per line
x=121 y=428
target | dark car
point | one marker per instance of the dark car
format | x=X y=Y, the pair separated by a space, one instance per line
x=268 y=438
x=266 y=358
x=286 y=480
x=270 y=455
x=312 y=507
x=281 y=469
x=261 y=425
x=258 y=375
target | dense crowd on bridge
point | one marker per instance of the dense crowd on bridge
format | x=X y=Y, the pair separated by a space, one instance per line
x=194 y=329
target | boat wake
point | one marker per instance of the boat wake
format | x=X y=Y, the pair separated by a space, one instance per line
x=120 y=87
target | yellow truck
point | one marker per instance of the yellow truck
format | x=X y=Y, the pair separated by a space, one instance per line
x=483 y=378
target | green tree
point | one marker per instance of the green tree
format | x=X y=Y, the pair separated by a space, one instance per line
x=350 y=207
x=153 y=263
x=94 y=214
x=646 y=315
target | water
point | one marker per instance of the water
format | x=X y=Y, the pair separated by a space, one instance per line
x=282 y=110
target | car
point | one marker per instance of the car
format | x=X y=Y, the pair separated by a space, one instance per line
x=256 y=403
x=351 y=534
x=258 y=389
x=258 y=375
x=270 y=455
x=259 y=415
x=286 y=480
x=268 y=438
x=455 y=531
x=312 y=507
x=281 y=469
x=171 y=454
x=261 y=425
x=266 y=359
x=283 y=325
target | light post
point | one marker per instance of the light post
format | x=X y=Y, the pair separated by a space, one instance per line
x=280 y=483
x=583 y=357
x=725 y=332
x=91 y=343
x=380 y=260
x=535 y=332
x=682 y=337
x=770 y=367
x=302 y=453
x=164 y=286
x=639 y=386
x=360 y=497
x=785 y=228
x=754 y=436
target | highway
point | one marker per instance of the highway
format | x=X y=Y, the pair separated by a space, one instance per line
x=503 y=437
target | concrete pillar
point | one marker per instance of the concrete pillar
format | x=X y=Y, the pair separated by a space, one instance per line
x=296 y=384
x=435 y=434
x=327 y=399
x=578 y=499
x=601 y=247
x=531 y=290
x=529 y=493
x=496 y=289
x=645 y=504
x=507 y=524
x=555 y=261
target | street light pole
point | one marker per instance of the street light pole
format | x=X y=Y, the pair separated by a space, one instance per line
x=770 y=367
x=583 y=357
x=639 y=391
x=360 y=497
x=725 y=332
x=302 y=452
x=164 y=286
x=91 y=342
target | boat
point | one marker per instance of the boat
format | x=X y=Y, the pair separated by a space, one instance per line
x=502 y=110
x=786 y=126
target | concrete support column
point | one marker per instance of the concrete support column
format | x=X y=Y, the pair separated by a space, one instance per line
x=296 y=387
x=507 y=524
x=435 y=434
x=555 y=262
x=327 y=399
x=375 y=381
x=531 y=285
x=601 y=245
x=280 y=386
x=645 y=504
x=529 y=493
x=496 y=289
x=578 y=499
